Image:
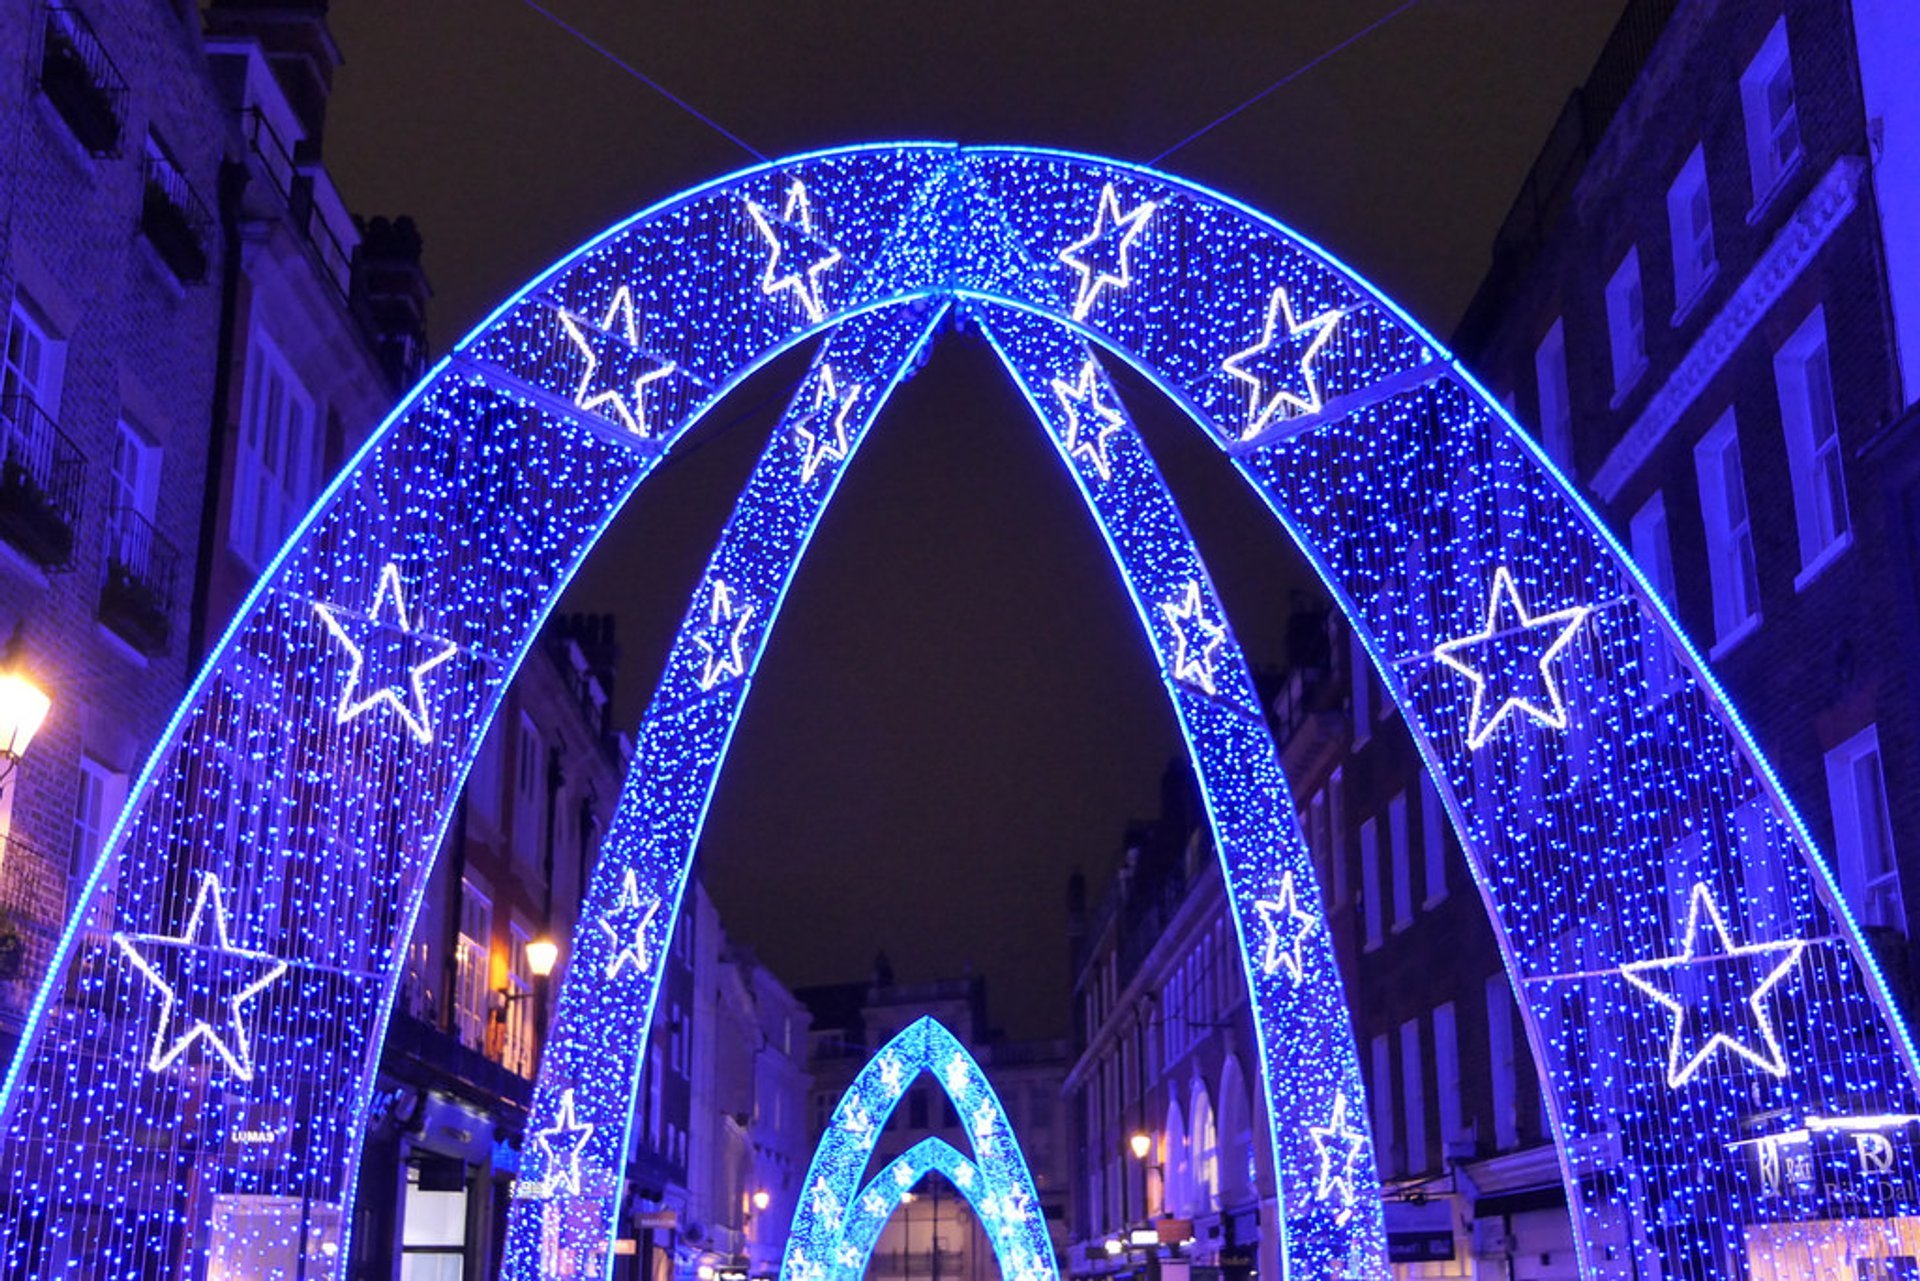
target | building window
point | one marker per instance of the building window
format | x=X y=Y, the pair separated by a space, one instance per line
x=529 y=792
x=1413 y=1084
x=1863 y=832
x=1382 y=1088
x=277 y=457
x=1360 y=674
x=1805 y=380
x=1773 y=124
x=1337 y=833
x=1206 y=1154
x=97 y=803
x=1556 y=407
x=1690 y=220
x=1319 y=836
x=1370 y=883
x=1446 y=1078
x=1723 y=510
x=516 y=1049
x=1397 y=835
x=33 y=362
x=433 y=1233
x=1502 y=1066
x=1433 y=835
x=473 y=967
x=1626 y=325
x=483 y=777
x=1652 y=548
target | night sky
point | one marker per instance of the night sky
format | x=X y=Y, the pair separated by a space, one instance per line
x=957 y=709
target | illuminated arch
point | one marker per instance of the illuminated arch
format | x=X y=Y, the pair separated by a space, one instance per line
x=839 y=1217
x=196 y=1080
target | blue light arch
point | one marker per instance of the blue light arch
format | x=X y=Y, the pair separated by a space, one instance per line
x=195 y=1075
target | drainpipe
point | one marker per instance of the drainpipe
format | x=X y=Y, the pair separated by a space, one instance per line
x=233 y=184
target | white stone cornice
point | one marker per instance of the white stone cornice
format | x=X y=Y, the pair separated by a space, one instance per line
x=1830 y=201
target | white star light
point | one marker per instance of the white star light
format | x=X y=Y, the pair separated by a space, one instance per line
x=1193 y=660
x=1543 y=636
x=892 y=1075
x=858 y=1122
x=629 y=934
x=849 y=1255
x=228 y=1040
x=1292 y=344
x=615 y=342
x=571 y=1135
x=352 y=704
x=904 y=1175
x=1334 y=1180
x=724 y=652
x=1691 y=986
x=823 y=437
x=963 y=1175
x=957 y=1075
x=1088 y=440
x=1285 y=909
x=983 y=1121
x=797 y=213
x=826 y=1204
x=1107 y=265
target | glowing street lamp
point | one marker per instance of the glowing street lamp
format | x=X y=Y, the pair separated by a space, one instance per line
x=762 y=1199
x=23 y=707
x=1141 y=1143
x=542 y=955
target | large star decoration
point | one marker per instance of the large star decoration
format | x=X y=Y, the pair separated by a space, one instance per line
x=1090 y=420
x=405 y=694
x=1340 y=1148
x=1287 y=926
x=1716 y=992
x=1101 y=256
x=957 y=1075
x=625 y=924
x=892 y=1075
x=791 y=236
x=562 y=1144
x=1193 y=656
x=724 y=638
x=1514 y=654
x=1278 y=369
x=228 y=977
x=616 y=363
x=823 y=435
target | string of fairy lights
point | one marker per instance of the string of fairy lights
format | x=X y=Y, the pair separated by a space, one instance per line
x=1722 y=1070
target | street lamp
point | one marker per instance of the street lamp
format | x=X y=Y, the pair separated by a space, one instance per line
x=762 y=1199
x=1141 y=1143
x=1142 y=1146
x=23 y=708
x=542 y=955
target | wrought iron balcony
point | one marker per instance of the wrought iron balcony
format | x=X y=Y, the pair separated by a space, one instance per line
x=136 y=599
x=42 y=475
x=81 y=81
x=174 y=219
x=33 y=909
x=283 y=171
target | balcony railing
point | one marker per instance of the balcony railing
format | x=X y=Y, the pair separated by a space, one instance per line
x=42 y=475
x=283 y=171
x=33 y=909
x=81 y=81
x=136 y=599
x=175 y=221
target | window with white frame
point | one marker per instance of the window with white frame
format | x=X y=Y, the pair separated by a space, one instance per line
x=1413 y=1085
x=97 y=803
x=1206 y=1154
x=1503 y=1066
x=277 y=457
x=529 y=792
x=1863 y=831
x=473 y=967
x=135 y=483
x=483 y=777
x=1446 y=1076
x=1318 y=833
x=433 y=1233
x=1381 y=1087
x=1370 y=883
x=1731 y=568
x=30 y=373
x=1337 y=833
x=516 y=1050
x=1626 y=324
x=1556 y=406
x=1773 y=122
x=1360 y=678
x=1433 y=838
x=1804 y=377
x=1398 y=838
x=1652 y=547
x=1690 y=221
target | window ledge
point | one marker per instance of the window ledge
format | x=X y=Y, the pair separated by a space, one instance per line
x=1372 y=945
x=1687 y=305
x=120 y=646
x=1624 y=388
x=1829 y=554
x=1427 y=905
x=1401 y=927
x=1728 y=643
x=1763 y=202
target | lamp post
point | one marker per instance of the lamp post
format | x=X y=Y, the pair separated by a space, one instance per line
x=1141 y=1145
x=542 y=955
x=23 y=709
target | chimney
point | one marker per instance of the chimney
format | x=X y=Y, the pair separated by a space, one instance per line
x=390 y=293
x=299 y=47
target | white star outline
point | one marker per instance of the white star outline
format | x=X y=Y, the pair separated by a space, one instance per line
x=1106 y=217
x=566 y=1123
x=416 y=718
x=1090 y=446
x=1480 y=726
x=857 y=1122
x=629 y=951
x=1285 y=906
x=1190 y=667
x=823 y=437
x=1701 y=902
x=1262 y=408
x=728 y=659
x=806 y=283
x=957 y=1074
x=631 y=414
x=891 y=1074
x=164 y=1052
x=1328 y=1182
